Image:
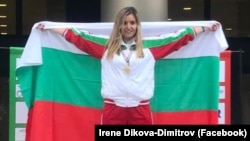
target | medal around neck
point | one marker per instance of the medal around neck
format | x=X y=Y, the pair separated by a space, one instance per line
x=127 y=69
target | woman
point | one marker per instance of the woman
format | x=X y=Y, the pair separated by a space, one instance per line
x=128 y=66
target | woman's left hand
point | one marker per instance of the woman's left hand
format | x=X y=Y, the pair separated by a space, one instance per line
x=214 y=27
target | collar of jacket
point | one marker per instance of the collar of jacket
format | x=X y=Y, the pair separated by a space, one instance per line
x=131 y=45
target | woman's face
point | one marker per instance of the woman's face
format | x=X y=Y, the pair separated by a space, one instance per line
x=129 y=28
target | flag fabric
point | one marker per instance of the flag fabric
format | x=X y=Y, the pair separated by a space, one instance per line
x=61 y=84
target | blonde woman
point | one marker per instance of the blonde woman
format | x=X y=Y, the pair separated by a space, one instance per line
x=128 y=66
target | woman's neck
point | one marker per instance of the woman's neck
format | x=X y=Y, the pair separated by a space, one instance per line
x=130 y=41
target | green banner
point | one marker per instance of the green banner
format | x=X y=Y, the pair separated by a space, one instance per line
x=17 y=108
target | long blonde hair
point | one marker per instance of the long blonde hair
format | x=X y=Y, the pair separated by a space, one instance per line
x=114 y=42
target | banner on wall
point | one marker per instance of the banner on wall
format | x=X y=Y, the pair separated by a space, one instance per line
x=225 y=88
x=18 y=110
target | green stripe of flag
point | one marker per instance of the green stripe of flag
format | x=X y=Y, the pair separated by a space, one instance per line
x=181 y=84
x=186 y=84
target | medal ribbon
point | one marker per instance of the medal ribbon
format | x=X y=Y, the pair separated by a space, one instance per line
x=127 y=58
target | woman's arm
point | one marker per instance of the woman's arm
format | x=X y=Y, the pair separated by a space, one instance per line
x=90 y=46
x=201 y=29
x=173 y=43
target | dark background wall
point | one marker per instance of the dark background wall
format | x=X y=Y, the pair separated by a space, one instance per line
x=83 y=10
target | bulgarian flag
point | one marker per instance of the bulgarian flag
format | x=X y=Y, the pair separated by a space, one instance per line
x=61 y=84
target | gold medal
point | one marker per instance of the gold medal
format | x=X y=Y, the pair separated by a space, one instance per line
x=126 y=58
x=127 y=69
